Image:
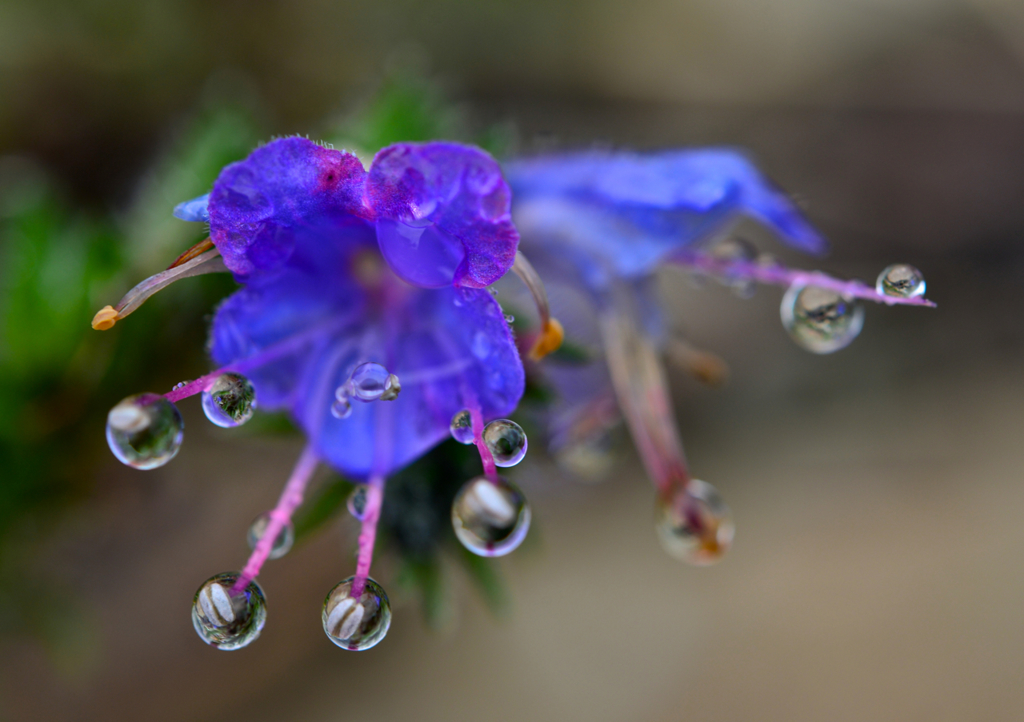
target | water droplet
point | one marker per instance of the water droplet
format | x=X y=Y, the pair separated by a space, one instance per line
x=369 y=381
x=178 y=385
x=145 y=431
x=341 y=409
x=356 y=624
x=900 y=281
x=506 y=441
x=695 y=525
x=285 y=538
x=493 y=291
x=228 y=621
x=735 y=249
x=820 y=320
x=490 y=518
x=230 y=401
x=481 y=347
x=462 y=427
x=509 y=318
x=357 y=502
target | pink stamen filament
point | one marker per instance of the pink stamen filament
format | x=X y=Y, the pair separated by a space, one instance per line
x=368 y=533
x=280 y=515
x=486 y=458
x=780 y=275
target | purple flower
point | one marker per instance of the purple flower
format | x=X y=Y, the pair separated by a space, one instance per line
x=597 y=225
x=364 y=314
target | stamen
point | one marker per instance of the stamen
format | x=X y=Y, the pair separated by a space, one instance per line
x=368 y=533
x=551 y=333
x=706 y=367
x=280 y=515
x=206 y=262
x=643 y=396
x=200 y=248
x=780 y=275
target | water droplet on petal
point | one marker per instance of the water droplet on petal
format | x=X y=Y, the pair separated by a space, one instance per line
x=285 y=538
x=369 y=381
x=900 y=281
x=506 y=441
x=230 y=401
x=820 y=320
x=462 y=427
x=145 y=431
x=341 y=409
x=356 y=624
x=228 y=621
x=509 y=318
x=695 y=525
x=490 y=518
x=481 y=347
x=357 y=502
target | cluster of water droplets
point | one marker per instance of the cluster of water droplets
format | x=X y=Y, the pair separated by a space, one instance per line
x=356 y=623
x=822 y=320
x=228 y=620
x=369 y=381
x=145 y=431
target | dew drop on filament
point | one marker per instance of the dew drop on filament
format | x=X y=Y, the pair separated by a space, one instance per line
x=230 y=401
x=490 y=518
x=370 y=381
x=145 y=431
x=461 y=427
x=228 y=621
x=900 y=281
x=285 y=538
x=356 y=624
x=506 y=441
x=357 y=502
x=820 y=320
x=694 y=525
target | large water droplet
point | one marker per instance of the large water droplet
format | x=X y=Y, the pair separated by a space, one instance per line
x=694 y=525
x=462 y=427
x=820 y=320
x=145 y=431
x=230 y=401
x=228 y=621
x=506 y=441
x=900 y=281
x=357 y=501
x=285 y=538
x=356 y=624
x=490 y=518
x=369 y=381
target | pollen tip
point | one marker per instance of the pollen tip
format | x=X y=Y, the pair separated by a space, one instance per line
x=549 y=341
x=105 y=318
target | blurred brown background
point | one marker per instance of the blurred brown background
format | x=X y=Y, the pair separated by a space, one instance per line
x=878 y=493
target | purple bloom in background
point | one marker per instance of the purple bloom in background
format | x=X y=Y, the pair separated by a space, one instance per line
x=364 y=314
x=597 y=225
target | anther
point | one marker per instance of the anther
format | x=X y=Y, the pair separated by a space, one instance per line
x=105 y=318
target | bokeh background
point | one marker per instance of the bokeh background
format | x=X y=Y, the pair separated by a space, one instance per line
x=877 y=568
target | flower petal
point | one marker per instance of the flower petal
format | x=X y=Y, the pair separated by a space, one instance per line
x=442 y=214
x=631 y=210
x=257 y=204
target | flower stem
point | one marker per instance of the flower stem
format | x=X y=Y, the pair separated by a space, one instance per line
x=486 y=458
x=280 y=515
x=780 y=275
